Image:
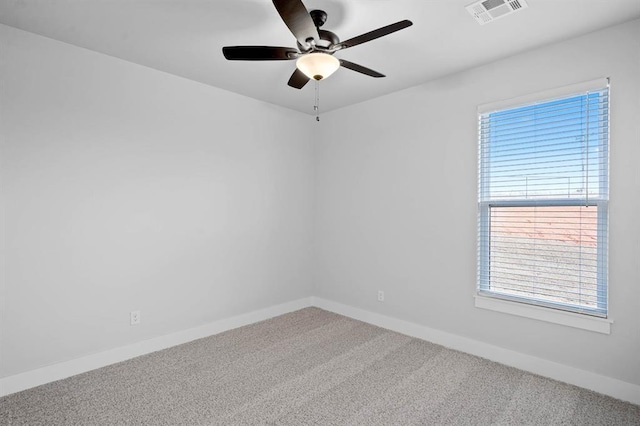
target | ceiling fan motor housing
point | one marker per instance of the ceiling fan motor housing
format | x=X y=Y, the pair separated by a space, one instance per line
x=327 y=38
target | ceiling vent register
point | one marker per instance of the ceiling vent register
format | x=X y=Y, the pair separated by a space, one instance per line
x=490 y=10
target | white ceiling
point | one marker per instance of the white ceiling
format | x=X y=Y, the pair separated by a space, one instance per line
x=185 y=38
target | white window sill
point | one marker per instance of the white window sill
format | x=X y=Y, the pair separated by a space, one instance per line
x=570 y=319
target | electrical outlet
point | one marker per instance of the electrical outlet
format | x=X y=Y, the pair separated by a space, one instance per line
x=380 y=296
x=135 y=317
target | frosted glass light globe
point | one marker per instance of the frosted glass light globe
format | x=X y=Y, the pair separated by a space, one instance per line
x=318 y=65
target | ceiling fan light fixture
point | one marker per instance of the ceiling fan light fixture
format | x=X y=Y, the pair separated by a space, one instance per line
x=317 y=65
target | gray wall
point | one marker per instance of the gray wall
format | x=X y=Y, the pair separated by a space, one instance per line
x=396 y=202
x=130 y=189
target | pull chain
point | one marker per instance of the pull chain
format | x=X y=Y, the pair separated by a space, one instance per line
x=316 y=106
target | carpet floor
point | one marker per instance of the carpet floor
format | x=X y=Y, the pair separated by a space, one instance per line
x=311 y=367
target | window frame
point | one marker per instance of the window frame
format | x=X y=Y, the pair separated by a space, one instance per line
x=485 y=297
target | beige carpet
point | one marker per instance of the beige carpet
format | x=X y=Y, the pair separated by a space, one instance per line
x=311 y=367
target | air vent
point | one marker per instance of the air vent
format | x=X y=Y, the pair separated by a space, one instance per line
x=490 y=10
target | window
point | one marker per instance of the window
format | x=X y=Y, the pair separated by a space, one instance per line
x=543 y=192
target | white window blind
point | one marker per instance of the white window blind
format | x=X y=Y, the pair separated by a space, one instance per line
x=543 y=201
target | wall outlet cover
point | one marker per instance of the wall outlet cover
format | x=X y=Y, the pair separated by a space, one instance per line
x=135 y=317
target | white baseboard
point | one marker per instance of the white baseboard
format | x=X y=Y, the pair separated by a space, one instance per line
x=602 y=384
x=51 y=373
x=585 y=379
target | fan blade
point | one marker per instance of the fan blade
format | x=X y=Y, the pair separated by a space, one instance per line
x=372 y=35
x=259 y=53
x=360 y=69
x=298 y=79
x=297 y=18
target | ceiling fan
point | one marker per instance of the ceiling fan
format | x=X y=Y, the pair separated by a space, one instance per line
x=316 y=47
